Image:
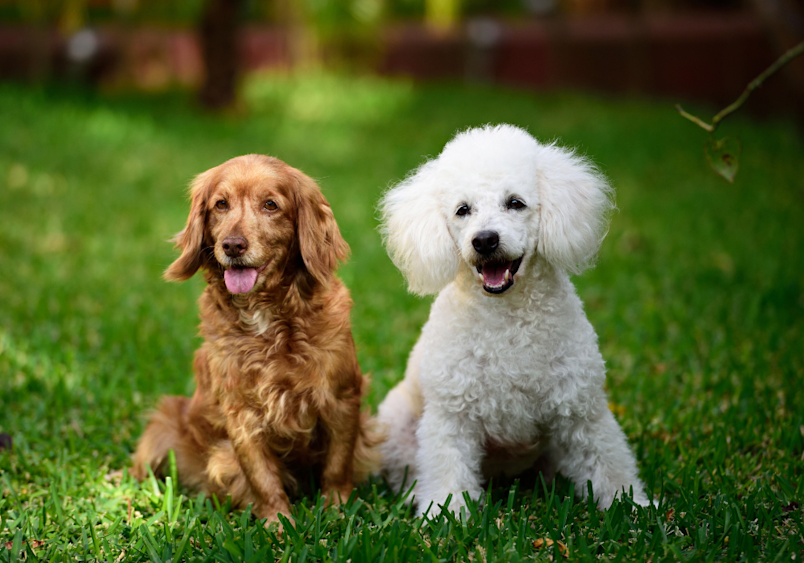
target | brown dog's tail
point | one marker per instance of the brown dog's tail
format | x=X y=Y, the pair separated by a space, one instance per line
x=163 y=433
x=367 y=458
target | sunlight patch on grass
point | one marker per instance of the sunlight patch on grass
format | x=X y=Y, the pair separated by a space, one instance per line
x=326 y=98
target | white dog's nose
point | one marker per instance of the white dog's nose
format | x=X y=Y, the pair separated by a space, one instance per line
x=486 y=242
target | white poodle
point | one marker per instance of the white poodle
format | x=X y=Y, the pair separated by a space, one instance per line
x=507 y=369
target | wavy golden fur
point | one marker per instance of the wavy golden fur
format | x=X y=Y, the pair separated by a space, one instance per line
x=278 y=384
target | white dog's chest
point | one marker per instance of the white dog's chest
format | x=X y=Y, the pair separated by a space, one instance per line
x=510 y=371
x=501 y=389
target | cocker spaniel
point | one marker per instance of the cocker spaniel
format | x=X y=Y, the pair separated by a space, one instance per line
x=278 y=385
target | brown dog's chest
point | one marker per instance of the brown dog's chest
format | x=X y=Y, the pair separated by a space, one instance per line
x=281 y=390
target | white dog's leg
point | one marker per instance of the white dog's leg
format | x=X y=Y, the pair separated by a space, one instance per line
x=448 y=461
x=595 y=449
x=398 y=417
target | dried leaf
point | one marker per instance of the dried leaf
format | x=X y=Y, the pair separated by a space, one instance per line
x=33 y=543
x=538 y=544
x=724 y=156
x=547 y=542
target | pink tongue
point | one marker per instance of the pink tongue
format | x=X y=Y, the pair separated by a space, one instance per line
x=240 y=280
x=494 y=272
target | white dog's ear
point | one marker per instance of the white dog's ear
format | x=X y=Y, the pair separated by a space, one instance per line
x=575 y=203
x=416 y=235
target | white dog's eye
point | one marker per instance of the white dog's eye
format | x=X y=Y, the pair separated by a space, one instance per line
x=515 y=203
x=463 y=210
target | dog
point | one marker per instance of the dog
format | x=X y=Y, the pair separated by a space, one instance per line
x=507 y=371
x=278 y=386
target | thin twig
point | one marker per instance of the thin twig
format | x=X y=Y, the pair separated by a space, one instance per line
x=791 y=53
x=696 y=120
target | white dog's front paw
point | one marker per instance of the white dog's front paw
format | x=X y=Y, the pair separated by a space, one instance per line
x=639 y=498
x=431 y=508
x=457 y=505
x=644 y=501
x=425 y=508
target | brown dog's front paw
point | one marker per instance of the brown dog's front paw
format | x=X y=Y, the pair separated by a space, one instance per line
x=276 y=523
x=336 y=496
x=271 y=516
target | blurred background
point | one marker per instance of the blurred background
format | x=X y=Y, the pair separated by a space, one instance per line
x=108 y=108
x=682 y=49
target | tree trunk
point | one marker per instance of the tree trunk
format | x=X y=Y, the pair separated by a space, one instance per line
x=218 y=34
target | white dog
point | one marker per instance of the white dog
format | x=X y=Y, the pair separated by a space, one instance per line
x=507 y=368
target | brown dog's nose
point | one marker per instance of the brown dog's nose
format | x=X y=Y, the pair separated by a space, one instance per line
x=234 y=246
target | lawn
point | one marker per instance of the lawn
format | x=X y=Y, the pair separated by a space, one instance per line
x=698 y=299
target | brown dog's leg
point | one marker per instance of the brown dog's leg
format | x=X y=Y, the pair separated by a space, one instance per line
x=170 y=428
x=226 y=478
x=163 y=433
x=336 y=478
x=260 y=465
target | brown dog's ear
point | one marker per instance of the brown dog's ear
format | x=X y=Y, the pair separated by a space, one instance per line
x=320 y=241
x=191 y=239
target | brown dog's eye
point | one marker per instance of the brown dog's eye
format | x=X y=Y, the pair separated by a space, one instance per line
x=270 y=205
x=515 y=203
x=222 y=205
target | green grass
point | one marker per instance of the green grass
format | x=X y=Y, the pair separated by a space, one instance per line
x=698 y=299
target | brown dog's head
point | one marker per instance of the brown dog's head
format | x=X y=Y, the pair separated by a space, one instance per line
x=252 y=218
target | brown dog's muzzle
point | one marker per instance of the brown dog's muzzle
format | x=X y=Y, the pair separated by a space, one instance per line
x=234 y=246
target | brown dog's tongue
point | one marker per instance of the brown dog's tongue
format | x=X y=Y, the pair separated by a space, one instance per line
x=240 y=280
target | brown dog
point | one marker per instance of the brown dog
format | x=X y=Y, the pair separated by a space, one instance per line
x=278 y=383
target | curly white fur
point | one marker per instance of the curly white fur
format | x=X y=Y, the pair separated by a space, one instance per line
x=498 y=380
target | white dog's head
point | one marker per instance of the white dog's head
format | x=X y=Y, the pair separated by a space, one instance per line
x=494 y=199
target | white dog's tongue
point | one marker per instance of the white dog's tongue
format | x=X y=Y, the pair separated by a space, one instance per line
x=240 y=280
x=494 y=273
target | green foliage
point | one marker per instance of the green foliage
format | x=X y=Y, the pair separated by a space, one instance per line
x=697 y=297
x=415 y=9
x=329 y=16
x=181 y=12
x=335 y=16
